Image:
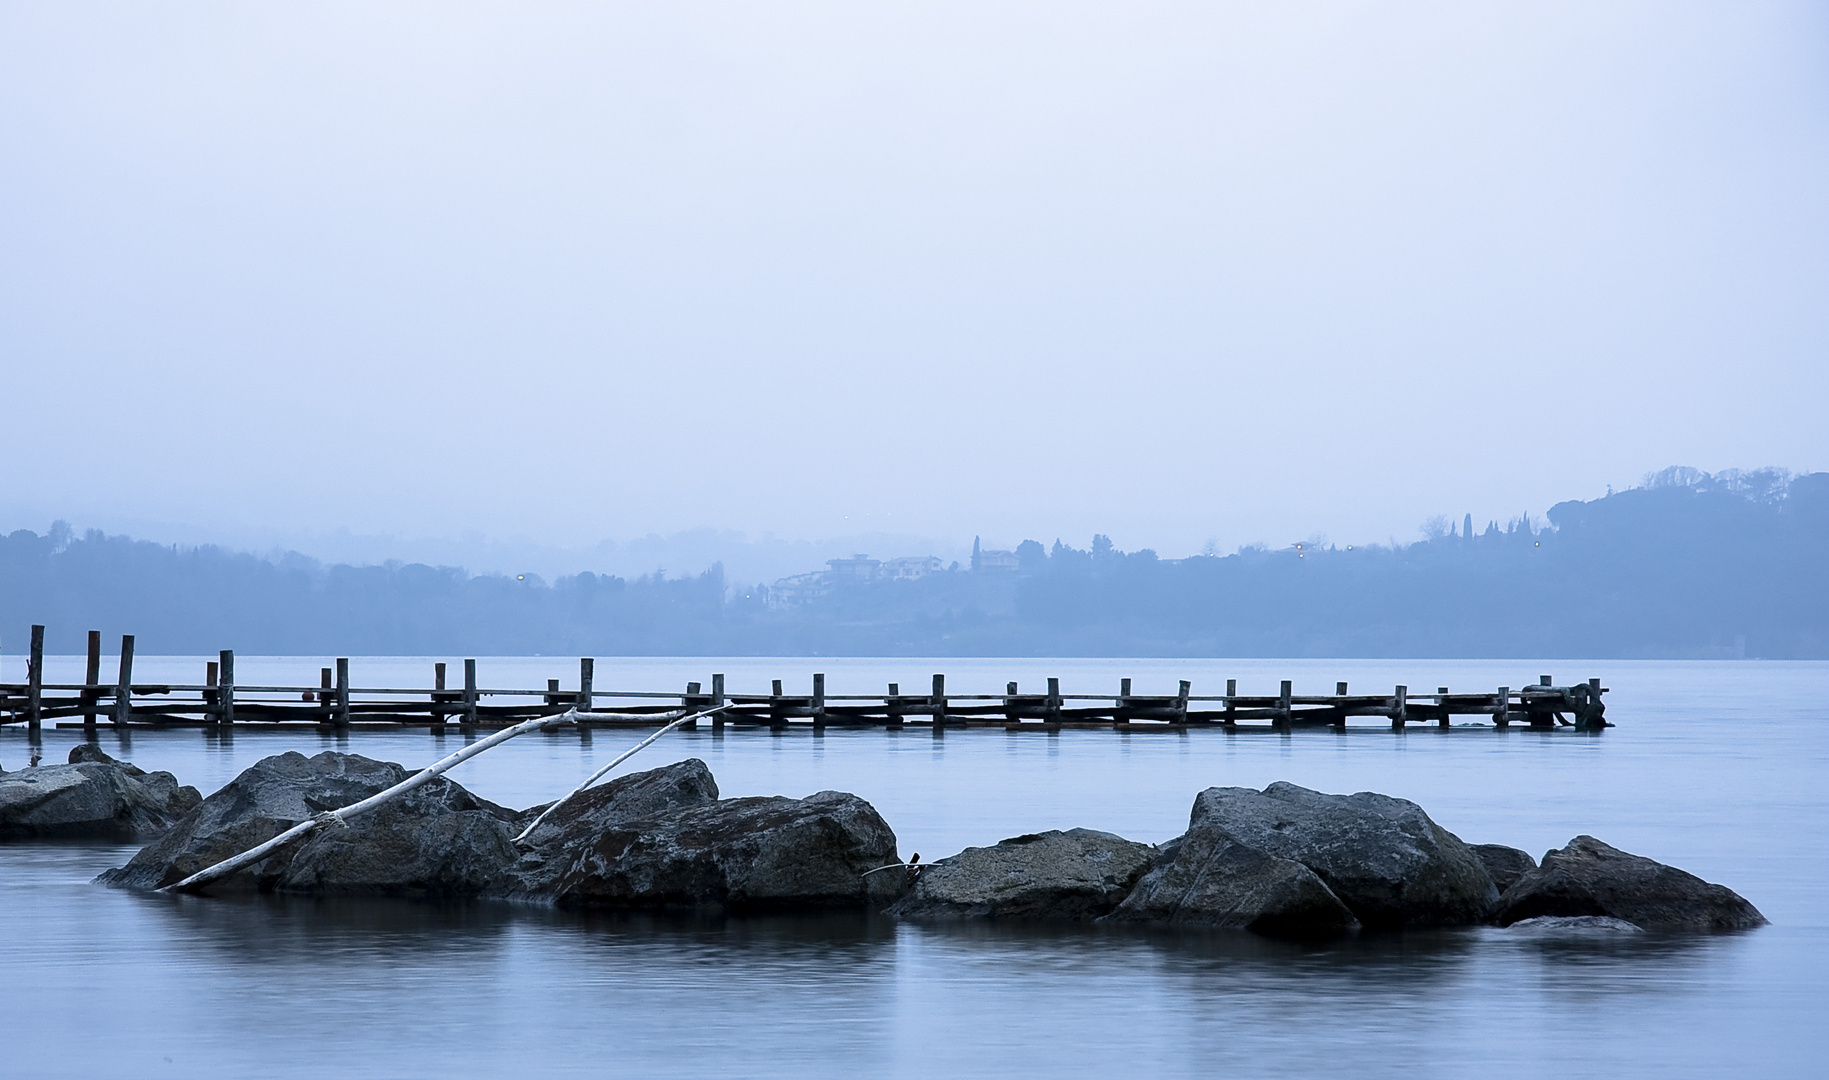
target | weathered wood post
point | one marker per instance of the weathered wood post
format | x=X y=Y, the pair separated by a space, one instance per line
x=225 y=688
x=438 y=698
x=819 y=701
x=34 y=682
x=327 y=695
x=587 y=671
x=777 y=712
x=123 y=685
x=1181 y=702
x=1340 y=714
x=552 y=694
x=717 y=700
x=938 y=702
x=1009 y=703
x=470 y=694
x=1231 y=719
x=1441 y=699
x=1120 y=709
x=691 y=701
x=892 y=706
x=1281 y=723
x=1501 y=707
x=1400 y=711
x=1052 y=712
x=209 y=687
x=342 y=715
x=92 y=677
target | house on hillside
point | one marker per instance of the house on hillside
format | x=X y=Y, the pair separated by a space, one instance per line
x=998 y=562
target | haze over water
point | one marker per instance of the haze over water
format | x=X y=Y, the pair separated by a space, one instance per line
x=1714 y=767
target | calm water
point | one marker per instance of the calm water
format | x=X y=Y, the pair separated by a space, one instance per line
x=1716 y=767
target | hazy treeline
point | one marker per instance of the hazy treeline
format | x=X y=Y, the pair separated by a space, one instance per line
x=1689 y=565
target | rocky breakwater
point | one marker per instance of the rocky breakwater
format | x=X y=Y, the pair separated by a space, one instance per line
x=661 y=839
x=1294 y=863
x=93 y=797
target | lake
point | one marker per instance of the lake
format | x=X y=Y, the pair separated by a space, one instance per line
x=1716 y=767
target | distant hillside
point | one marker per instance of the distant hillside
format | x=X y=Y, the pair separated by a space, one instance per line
x=1689 y=565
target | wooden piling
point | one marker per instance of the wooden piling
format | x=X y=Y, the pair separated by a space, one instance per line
x=587 y=670
x=470 y=694
x=1284 y=693
x=1231 y=717
x=777 y=709
x=938 y=703
x=439 y=696
x=34 y=682
x=1051 y=712
x=1400 y=707
x=819 y=701
x=123 y=685
x=1501 y=707
x=341 y=717
x=1441 y=699
x=892 y=706
x=92 y=677
x=1340 y=714
x=225 y=688
x=1181 y=702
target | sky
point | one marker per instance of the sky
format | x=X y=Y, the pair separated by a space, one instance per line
x=528 y=276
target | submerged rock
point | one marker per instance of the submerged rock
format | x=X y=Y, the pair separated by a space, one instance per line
x=1505 y=864
x=735 y=855
x=1072 y=876
x=1560 y=925
x=1208 y=879
x=436 y=840
x=93 y=797
x=1382 y=857
x=1591 y=878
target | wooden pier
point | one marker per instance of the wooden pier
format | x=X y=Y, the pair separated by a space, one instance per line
x=220 y=703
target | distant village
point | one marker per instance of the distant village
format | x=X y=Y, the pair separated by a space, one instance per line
x=859 y=569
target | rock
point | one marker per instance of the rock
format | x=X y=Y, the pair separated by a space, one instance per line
x=1505 y=864
x=1590 y=878
x=734 y=855
x=1207 y=878
x=93 y=797
x=436 y=840
x=1072 y=876
x=1382 y=857
x=1558 y=925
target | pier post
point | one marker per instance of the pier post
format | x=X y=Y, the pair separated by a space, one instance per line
x=1231 y=720
x=92 y=677
x=892 y=708
x=689 y=701
x=1400 y=707
x=470 y=694
x=209 y=687
x=1052 y=713
x=1441 y=699
x=438 y=695
x=717 y=700
x=938 y=701
x=123 y=686
x=225 y=688
x=342 y=716
x=34 y=682
x=1281 y=723
x=777 y=716
x=1120 y=710
x=819 y=701
x=587 y=670
x=1501 y=709
x=1181 y=702
x=1340 y=715
x=327 y=694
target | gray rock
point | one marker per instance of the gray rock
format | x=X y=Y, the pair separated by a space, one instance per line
x=1591 y=878
x=1207 y=878
x=1559 y=925
x=1505 y=864
x=1072 y=876
x=438 y=839
x=1382 y=857
x=92 y=797
x=734 y=855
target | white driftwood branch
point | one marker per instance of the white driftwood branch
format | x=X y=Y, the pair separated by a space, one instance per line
x=339 y=817
x=626 y=755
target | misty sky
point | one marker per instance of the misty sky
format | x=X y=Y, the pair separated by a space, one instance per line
x=1171 y=272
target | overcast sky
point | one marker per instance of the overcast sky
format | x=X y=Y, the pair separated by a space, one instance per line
x=1170 y=272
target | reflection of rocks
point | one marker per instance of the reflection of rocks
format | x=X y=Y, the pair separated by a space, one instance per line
x=435 y=840
x=1564 y=925
x=1505 y=864
x=1072 y=876
x=659 y=839
x=1590 y=878
x=92 y=797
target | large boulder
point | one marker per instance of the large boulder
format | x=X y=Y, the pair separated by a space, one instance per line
x=547 y=851
x=93 y=797
x=1505 y=864
x=733 y=855
x=1072 y=876
x=1208 y=879
x=1591 y=878
x=436 y=840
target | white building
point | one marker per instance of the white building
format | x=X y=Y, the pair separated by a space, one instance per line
x=909 y=567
